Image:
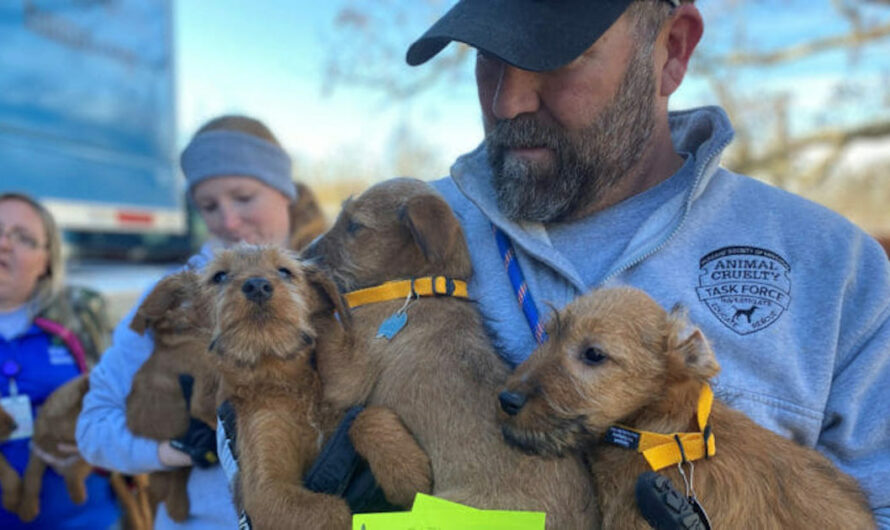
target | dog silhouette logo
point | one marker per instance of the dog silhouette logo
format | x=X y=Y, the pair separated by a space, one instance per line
x=746 y=288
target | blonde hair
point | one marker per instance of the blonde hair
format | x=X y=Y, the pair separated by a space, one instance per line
x=51 y=283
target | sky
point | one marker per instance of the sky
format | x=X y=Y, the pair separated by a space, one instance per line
x=267 y=58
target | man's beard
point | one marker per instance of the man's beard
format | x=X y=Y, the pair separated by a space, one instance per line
x=587 y=162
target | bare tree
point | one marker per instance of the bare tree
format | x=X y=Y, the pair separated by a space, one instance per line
x=782 y=135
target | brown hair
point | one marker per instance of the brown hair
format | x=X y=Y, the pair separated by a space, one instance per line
x=50 y=283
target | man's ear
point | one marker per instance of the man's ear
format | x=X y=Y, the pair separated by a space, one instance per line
x=678 y=39
x=433 y=227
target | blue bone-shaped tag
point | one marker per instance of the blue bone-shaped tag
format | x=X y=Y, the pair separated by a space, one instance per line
x=392 y=325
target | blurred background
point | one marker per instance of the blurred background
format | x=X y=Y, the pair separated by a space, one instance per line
x=98 y=97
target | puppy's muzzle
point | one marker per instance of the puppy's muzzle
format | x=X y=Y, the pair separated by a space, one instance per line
x=257 y=290
x=512 y=402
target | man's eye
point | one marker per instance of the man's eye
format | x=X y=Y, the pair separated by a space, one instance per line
x=244 y=198
x=220 y=277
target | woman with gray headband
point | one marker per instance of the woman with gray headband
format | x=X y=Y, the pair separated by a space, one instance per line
x=239 y=179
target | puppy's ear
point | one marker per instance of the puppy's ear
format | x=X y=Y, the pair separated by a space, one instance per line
x=167 y=294
x=688 y=349
x=433 y=227
x=328 y=295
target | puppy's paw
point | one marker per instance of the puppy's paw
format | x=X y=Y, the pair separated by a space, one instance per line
x=29 y=509
x=400 y=465
x=12 y=493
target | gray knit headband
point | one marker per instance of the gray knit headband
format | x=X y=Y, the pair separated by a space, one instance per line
x=232 y=153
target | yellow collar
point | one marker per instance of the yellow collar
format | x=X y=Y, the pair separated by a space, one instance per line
x=662 y=450
x=401 y=289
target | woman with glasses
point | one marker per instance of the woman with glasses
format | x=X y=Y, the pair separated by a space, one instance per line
x=37 y=355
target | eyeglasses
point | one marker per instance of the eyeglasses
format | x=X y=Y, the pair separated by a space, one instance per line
x=20 y=238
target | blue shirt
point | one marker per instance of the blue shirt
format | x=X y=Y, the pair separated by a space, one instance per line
x=45 y=364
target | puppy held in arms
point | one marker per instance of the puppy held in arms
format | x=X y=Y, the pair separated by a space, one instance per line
x=619 y=373
x=263 y=304
x=420 y=350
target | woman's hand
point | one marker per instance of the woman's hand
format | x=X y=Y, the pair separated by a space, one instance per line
x=171 y=457
x=68 y=456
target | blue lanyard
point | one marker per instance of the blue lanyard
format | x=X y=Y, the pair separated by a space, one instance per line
x=520 y=287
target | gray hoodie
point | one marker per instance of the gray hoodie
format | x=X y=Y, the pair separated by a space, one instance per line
x=810 y=361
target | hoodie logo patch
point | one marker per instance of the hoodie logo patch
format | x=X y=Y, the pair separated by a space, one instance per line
x=746 y=288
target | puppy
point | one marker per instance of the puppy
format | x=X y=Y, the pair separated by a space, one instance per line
x=438 y=373
x=156 y=408
x=10 y=482
x=616 y=357
x=54 y=425
x=264 y=340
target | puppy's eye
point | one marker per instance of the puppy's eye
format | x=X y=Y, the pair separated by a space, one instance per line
x=219 y=277
x=353 y=227
x=285 y=273
x=593 y=356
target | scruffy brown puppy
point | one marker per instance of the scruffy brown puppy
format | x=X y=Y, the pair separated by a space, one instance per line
x=438 y=373
x=156 y=407
x=265 y=307
x=616 y=357
x=10 y=481
x=54 y=425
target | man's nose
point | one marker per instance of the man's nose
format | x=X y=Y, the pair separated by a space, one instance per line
x=517 y=93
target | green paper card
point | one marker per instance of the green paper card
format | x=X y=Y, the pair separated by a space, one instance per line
x=431 y=513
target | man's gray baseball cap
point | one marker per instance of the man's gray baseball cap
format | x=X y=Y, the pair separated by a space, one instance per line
x=535 y=35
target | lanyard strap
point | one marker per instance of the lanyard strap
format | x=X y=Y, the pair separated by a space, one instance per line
x=68 y=337
x=520 y=287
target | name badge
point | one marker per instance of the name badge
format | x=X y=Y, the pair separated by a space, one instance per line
x=19 y=407
x=59 y=355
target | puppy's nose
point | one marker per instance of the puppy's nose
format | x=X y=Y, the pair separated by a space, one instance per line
x=257 y=289
x=511 y=402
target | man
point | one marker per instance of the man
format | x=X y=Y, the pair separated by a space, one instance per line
x=584 y=180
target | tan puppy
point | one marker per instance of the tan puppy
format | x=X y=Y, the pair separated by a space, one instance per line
x=616 y=357
x=54 y=425
x=266 y=310
x=439 y=373
x=156 y=407
x=10 y=481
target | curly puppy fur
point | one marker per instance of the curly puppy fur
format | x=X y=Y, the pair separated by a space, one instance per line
x=54 y=425
x=439 y=374
x=615 y=356
x=10 y=482
x=156 y=408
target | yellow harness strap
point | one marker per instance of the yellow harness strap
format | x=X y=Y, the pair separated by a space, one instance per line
x=663 y=450
x=401 y=289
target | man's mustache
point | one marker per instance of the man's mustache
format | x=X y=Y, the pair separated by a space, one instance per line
x=523 y=132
